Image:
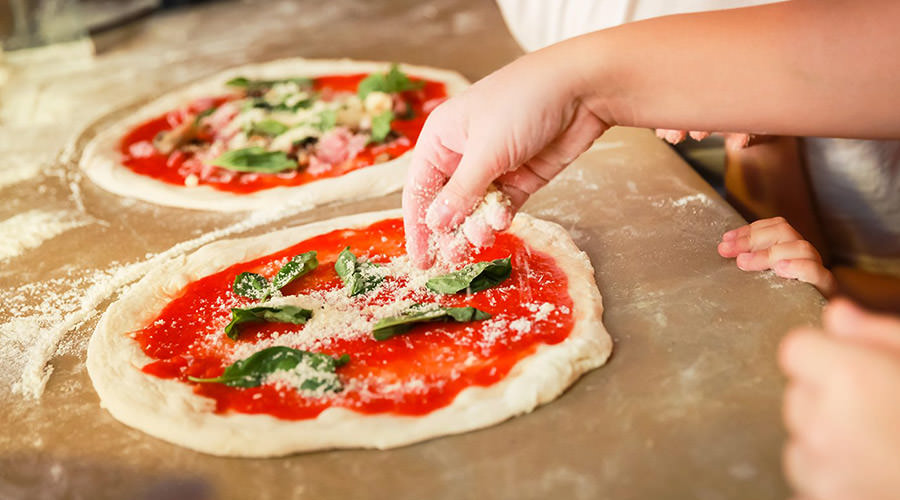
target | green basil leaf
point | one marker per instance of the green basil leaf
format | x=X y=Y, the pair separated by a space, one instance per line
x=388 y=327
x=390 y=82
x=472 y=278
x=257 y=86
x=252 y=371
x=251 y=285
x=381 y=126
x=296 y=267
x=267 y=128
x=327 y=120
x=282 y=314
x=255 y=159
x=356 y=275
x=203 y=114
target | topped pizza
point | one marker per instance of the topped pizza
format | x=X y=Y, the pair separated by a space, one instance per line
x=298 y=132
x=325 y=336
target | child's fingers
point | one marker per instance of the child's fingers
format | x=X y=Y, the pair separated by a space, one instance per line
x=766 y=258
x=753 y=226
x=764 y=235
x=844 y=319
x=808 y=271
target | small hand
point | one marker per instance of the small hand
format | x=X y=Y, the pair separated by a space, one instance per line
x=774 y=244
x=842 y=407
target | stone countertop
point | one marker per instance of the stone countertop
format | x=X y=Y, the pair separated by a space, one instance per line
x=687 y=407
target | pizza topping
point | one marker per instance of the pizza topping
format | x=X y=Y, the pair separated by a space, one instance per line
x=425 y=313
x=409 y=374
x=394 y=81
x=305 y=371
x=473 y=278
x=281 y=314
x=256 y=286
x=284 y=132
x=357 y=276
x=254 y=159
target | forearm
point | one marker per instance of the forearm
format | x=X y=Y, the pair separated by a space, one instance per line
x=796 y=68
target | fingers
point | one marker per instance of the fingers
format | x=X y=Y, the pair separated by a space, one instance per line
x=808 y=271
x=766 y=258
x=757 y=236
x=671 y=136
x=424 y=180
x=846 y=320
x=808 y=355
x=469 y=181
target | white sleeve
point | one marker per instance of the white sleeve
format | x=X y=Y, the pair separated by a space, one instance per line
x=538 y=23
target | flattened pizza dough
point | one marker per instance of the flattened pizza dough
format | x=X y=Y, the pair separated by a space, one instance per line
x=170 y=410
x=101 y=160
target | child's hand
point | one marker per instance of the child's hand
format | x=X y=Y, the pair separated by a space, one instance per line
x=842 y=406
x=516 y=128
x=774 y=244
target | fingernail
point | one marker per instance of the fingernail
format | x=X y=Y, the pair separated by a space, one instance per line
x=730 y=235
x=741 y=261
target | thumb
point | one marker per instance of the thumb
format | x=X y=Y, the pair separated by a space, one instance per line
x=842 y=318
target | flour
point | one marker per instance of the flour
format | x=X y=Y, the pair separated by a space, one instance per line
x=15 y=170
x=38 y=331
x=30 y=229
x=700 y=198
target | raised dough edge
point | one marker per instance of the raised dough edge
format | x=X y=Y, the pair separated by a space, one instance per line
x=100 y=160
x=169 y=410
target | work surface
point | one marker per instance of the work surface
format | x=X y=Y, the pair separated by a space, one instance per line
x=688 y=406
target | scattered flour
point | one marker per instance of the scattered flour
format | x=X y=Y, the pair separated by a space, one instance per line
x=700 y=198
x=14 y=171
x=30 y=229
x=41 y=331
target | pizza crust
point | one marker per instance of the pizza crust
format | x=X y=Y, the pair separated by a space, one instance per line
x=169 y=410
x=101 y=157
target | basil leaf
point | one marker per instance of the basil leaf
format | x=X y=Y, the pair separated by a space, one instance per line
x=268 y=128
x=381 y=126
x=296 y=267
x=388 y=327
x=327 y=120
x=390 y=82
x=282 y=314
x=251 y=285
x=259 y=86
x=203 y=114
x=255 y=159
x=252 y=371
x=356 y=275
x=472 y=278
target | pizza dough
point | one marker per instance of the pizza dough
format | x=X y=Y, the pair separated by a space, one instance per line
x=168 y=409
x=101 y=158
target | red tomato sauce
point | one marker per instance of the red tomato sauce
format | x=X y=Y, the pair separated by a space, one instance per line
x=188 y=339
x=168 y=168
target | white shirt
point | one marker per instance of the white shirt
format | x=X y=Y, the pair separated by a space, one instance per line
x=856 y=183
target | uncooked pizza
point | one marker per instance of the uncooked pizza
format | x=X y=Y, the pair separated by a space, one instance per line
x=290 y=132
x=324 y=336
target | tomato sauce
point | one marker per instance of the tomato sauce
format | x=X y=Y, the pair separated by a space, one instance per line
x=169 y=168
x=410 y=374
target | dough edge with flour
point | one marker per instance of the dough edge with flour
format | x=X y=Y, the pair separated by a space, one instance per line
x=169 y=410
x=101 y=157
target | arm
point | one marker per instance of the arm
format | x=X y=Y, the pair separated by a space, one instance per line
x=814 y=68
x=803 y=67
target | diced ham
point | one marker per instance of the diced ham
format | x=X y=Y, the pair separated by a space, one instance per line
x=336 y=146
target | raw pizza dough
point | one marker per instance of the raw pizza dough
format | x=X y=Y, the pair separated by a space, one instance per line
x=168 y=409
x=101 y=158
